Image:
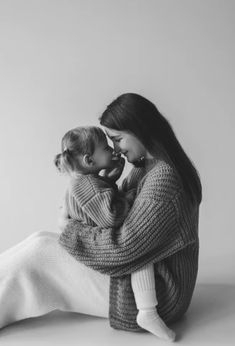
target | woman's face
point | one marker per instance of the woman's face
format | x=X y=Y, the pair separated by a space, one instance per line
x=127 y=144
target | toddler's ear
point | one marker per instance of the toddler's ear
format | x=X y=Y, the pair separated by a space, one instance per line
x=87 y=161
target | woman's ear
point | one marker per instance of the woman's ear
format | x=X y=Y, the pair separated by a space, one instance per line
x=87 y=161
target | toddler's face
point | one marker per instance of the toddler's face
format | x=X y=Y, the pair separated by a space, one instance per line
x=103 y=156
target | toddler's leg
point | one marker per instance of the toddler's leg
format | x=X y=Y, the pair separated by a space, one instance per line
x=38 y=276
x=143 y=285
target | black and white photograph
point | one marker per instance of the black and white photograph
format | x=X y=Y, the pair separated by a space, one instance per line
x=117 y=172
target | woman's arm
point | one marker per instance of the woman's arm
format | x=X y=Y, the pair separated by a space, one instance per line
x=151 y=227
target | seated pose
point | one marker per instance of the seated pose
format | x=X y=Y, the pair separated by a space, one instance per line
x=95 y=201
x=89 y=269
x=160 y=229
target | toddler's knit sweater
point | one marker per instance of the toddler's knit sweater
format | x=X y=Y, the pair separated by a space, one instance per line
x=161 y=228
x=95 y=201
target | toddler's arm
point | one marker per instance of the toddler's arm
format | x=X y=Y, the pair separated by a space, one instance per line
x=107 y=207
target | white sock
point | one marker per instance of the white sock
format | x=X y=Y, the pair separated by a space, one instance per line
x=149 y=320
x=143 y=285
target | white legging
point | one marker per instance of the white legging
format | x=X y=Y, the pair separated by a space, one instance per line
x=38 y=276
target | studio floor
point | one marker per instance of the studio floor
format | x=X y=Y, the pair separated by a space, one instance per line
x=210 y=320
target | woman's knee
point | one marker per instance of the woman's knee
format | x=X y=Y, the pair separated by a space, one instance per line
x=42 y=234
x=24 y=259
x=41 y=243
x=36 y=252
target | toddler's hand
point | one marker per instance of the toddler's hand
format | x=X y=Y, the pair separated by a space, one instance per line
x=63 y=221
x=115 y=172
x=63 y=211
x=131 y=195
x=63 y=218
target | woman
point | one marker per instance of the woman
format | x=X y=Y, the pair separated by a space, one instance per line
x=39 y=275
x=162 y=226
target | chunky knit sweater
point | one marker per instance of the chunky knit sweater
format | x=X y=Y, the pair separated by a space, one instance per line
x=161 y=228
x=95 y=201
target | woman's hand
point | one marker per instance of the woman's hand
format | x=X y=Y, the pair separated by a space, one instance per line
x=113 y=173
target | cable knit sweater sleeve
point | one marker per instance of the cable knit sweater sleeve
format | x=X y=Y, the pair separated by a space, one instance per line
x=99 y=200
x=151 y=229
x=107 y=208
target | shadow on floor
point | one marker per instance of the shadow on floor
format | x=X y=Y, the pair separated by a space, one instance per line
x=210 y=319
x=211 y=315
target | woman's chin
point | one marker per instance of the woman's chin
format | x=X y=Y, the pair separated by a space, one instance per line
x=128 y=159
x=138 y=163
x=133 y=161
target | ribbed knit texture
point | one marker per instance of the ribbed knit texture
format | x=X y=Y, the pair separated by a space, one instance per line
x=94 y=201
x=161 y=228
x=143 y=285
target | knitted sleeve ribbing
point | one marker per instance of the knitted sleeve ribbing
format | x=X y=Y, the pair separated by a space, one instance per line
x=107 y=208
x=150 y=228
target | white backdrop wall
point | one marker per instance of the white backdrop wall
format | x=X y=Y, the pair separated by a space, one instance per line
x=63 y=61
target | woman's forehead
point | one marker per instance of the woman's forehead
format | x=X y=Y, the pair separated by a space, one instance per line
x=112 y=133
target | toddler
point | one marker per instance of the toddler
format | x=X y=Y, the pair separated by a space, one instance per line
x=96 y=201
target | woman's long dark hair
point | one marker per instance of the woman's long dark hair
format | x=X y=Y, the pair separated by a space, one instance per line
x=134 y=113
